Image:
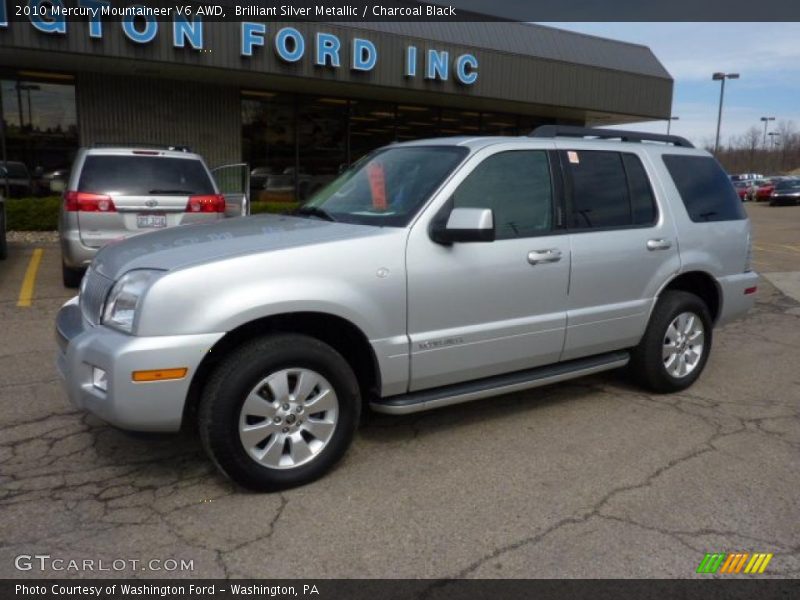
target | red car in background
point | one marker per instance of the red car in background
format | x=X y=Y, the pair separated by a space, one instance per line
x=743 y=189
x=764 y=190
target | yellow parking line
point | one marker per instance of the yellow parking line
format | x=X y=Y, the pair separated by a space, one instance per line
x=29 y=282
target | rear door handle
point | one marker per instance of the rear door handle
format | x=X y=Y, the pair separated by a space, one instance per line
x=544 y=256
x=659 y=244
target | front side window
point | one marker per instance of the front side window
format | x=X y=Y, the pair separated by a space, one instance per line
x=516 y=186
x=386 y=188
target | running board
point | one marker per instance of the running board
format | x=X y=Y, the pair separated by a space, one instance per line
x=499 y=384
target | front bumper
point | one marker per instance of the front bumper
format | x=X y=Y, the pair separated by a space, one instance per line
x=149 y=406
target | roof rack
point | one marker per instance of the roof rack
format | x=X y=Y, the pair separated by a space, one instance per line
x=549 y=131
x=172 y=147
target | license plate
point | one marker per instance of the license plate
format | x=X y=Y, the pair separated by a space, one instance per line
x=151 y=221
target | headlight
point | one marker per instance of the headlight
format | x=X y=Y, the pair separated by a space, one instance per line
x=123 y=299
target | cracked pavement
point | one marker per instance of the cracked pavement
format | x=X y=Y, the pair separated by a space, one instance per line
x=590 y=478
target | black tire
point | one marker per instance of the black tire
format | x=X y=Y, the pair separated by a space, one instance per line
x=3 y=241
x=224 y=394
x=71 y=277
x=647 y=364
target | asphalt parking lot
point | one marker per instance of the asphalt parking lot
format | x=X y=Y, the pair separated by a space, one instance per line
x=591 y=478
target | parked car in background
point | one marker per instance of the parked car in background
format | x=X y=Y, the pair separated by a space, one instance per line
x=786 y=192
x=742 y=188
x=760 y=190
x=258 y=180
x=54 y=181
x=116 y=192
x=431 y=273
x=15 y=179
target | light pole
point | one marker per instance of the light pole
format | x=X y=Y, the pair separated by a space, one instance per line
x=772 y=135
x=721 y=77
x=669 y=122
x=766 y=121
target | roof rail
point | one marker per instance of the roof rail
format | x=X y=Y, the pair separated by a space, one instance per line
x=172 y=147
x=549 y=131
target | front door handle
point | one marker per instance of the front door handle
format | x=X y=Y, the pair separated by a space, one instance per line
x=659 y=244
x=544 y=256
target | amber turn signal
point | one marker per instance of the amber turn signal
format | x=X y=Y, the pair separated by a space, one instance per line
x=159 y=374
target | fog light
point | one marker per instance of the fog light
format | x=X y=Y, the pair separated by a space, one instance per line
x=99 y=379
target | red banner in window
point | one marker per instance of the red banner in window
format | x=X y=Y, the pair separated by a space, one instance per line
x=377 y=185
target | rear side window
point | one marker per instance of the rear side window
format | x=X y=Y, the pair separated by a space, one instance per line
x=705 y=189
x=144 y=175
x=516 y=186
x=608 y=190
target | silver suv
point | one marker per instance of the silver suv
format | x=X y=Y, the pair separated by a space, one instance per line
x=430 y=273
x=116 y=192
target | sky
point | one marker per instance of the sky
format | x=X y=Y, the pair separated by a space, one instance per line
x=766 y=55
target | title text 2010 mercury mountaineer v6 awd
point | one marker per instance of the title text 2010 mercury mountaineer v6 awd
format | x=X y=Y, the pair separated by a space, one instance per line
x=430 y=273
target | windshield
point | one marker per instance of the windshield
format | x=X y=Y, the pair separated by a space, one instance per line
x=789 y=184
x=387 y=187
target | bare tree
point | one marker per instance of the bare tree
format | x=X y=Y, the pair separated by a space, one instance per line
x=744 y=153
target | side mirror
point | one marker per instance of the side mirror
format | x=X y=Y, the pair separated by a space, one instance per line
x=466 y=225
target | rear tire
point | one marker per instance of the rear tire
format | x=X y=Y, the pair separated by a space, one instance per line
x=279 y=412
x=71 y=277
x=675 y=347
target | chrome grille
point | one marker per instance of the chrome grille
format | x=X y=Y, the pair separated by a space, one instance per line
x=94 y=290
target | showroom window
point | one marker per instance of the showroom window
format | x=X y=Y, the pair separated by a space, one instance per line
x=39 y=137
x=295 y=144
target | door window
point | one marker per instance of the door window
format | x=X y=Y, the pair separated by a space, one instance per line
x=609 y=190
x=643 y=205
x=516 y=186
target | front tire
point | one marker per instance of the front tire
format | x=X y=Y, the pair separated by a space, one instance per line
x=676 y=344
x=279 y=412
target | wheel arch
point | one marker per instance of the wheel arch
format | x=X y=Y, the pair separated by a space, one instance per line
x=701 y=284
x=339 y=333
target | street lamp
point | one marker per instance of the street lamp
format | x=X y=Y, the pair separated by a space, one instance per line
x=772 y=135
x=669 y=122
x=766 y=120
x=721 y=77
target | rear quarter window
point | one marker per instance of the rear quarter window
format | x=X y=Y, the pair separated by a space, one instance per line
x=705 y=189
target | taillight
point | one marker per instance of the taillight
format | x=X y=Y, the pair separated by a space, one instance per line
x=85 y=202
x=207 y=203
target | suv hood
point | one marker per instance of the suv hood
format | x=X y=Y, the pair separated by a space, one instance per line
x=179 y=247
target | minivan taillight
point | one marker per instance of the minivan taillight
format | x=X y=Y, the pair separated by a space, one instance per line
x=206 y=203
x=86 y=202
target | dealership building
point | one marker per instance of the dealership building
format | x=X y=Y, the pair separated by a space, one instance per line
x=302 y=99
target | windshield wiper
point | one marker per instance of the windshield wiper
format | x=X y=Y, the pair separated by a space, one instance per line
x=315 y=211
x=170 y=192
